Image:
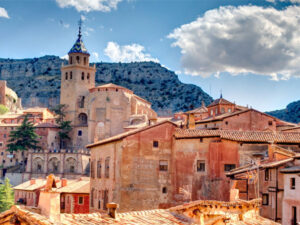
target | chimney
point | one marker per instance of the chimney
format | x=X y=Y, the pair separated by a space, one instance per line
x=32 y=181
x=64 y=182
x=112 y=209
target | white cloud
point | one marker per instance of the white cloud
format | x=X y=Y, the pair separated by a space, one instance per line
x=3 y=13
x=65 y=57
x=127 y=53
x=83 y=18
x=95 y=55
x=244 y=39
x=89 y=5
x=87 y=31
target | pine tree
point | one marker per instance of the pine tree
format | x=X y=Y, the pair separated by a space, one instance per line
x=63 y=125
x=23 y=138
x=6 y=196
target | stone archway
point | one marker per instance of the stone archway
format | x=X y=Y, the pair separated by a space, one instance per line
x=38 y=165
x=54 y=165
x=70 y=165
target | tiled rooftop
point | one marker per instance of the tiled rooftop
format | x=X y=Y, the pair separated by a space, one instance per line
x=246 y=136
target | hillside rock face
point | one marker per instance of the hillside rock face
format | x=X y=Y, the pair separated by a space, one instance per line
x=291 y=113
x=37 y=82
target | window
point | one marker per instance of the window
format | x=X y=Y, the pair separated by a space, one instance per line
x=201 y=140
x=222 y=110
x=163 y=165
x=1 y=144
x=266 y=174
x=81 y=102
x=164 y=190
x=84 y=60
x=2 y=153
x=78 y=59
x=99 y=169
x=92 y=169
x=99 y=204
x=71 y=60
x=4 y=135
x=71 y=75
x=82 y=76
x=66 y=75
x=228 y=167
x=80 y=200
x=82 y=117
x=216 y=111
x=80 y=133
x=92 y=197
x=270 y=123
x=226 y=122
x=265 y=199
x=88 y=76
x=229 y=110
x=211 y=112
x=293 y=183
x=294 y=215
x=200 y=165
x=105 y=199
x=107 y=167
x=155 y=144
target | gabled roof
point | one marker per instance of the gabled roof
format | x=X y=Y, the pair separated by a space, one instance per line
x=220 y=101
x=242 y=136
x=129 y=133
x=81 y=186
x=201 y=109
x=227 y=115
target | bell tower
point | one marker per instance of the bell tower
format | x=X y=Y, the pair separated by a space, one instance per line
x=77 y=77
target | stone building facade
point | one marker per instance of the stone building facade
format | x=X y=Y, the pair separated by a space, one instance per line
x=137 y=166
x=96 y=112
x=265 y=179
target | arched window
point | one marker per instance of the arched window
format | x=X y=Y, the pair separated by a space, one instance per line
x=71 y=75
x=53 y=165
x=84 y=60
x=78 y=59
x=82 y=76
x=71 y=60
x=88 y=76
x=82 y=118
x=66 y=75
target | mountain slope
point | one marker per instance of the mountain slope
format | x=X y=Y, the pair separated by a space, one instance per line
x=291 y=113
x=37 y=82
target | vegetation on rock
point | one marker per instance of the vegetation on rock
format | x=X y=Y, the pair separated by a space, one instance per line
x=3 y=109
x=291 y=113
x=6 y=196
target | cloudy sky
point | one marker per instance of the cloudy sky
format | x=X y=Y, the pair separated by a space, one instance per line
x=249 y=50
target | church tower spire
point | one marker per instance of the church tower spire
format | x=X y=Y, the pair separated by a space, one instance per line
x=77 y=78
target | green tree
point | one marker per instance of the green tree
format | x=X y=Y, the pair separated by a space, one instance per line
x=63 y=125
x=23 y=138
x=6 y=196
x=3 y=109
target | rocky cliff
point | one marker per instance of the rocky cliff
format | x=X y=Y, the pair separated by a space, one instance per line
x=291 y=113
x=37 y=82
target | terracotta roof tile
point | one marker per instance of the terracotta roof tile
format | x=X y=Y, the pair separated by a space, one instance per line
x=245 y=136
x=220 y=101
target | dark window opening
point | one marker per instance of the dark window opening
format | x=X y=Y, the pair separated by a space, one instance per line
x=82 y=76
x=226 y=122
x=200 y=165
x=99 y=204
x=163 y=165
x=164 y=190
x=155 y=144
x=82 y=119
x=88 y=76
x=66 y=75
x=80 y=133
x=80 y=200
x=265 y=199
x=78 y=59
x=107 y=167
x=228 y=167
x=71 y=75
x=84 y=60
x=81 y=102
x=117 y=90
x=293 y=183
x=270 y=123
x=266 y=174
x=105 y=199
x=71 y=60
x=99 y=169
x=201 y=139
x=294 y=215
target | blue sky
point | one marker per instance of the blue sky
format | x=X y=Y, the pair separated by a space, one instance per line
x=247 y=49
